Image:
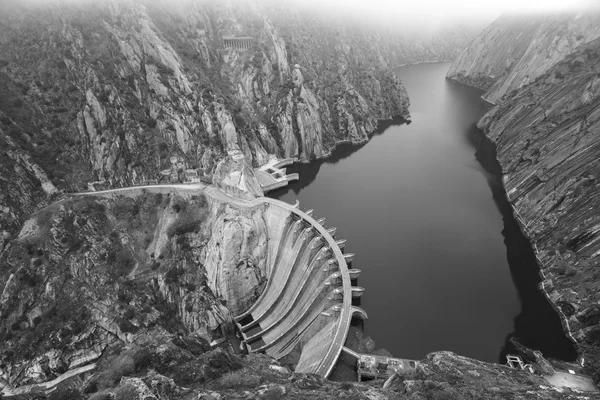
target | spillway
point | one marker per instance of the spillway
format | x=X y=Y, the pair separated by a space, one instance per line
x=303 y=315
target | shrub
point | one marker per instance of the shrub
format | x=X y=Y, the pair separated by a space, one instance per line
x=148 y=238
x=446 y=394
x=129 y=314
x=87 y=205
x=124 y=262
x=173 y=275
x=273 y=393
x=127 y=327
x=101 y=396
x=66 y=391
x=126 y=392
x=142 y=358
x=183 y=226
x=122 y=365
x=179 y=204
x=125 y=208
x=151 y=123
x=137 y=163
x=239 y=380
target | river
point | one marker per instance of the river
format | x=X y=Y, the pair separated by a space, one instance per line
x=443 y=262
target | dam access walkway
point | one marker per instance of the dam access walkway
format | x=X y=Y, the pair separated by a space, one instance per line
x=304 y=312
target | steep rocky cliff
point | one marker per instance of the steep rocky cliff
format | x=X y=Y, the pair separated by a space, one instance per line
x=516 y=49
x=109 y=92
x=545 y=128
x=548 y=146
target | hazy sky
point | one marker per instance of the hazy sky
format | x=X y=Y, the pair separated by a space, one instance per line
x=441 y=10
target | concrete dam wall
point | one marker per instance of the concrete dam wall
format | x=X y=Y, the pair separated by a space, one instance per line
x=304 y=312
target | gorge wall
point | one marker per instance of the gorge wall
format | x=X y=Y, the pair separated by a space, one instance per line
x=111 y=91
x=516 y=49
x=545 y=128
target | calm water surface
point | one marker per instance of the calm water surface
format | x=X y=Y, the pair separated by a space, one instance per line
x=418 y=209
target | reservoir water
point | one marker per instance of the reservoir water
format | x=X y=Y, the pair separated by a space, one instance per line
x=443 y=262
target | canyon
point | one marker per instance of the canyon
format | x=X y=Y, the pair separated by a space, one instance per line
x=130 y=296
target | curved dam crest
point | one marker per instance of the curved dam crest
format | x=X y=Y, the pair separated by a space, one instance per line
x=420 y=205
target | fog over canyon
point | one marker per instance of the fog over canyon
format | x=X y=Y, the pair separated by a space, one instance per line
x=264 y=199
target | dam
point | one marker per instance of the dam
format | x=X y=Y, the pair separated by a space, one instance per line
x=304 y=312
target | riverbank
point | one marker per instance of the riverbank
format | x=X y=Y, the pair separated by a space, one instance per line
x=538 y=309
x=422 y=62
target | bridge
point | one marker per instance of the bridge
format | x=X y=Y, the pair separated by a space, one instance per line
x=305 y=310
x=238 y=43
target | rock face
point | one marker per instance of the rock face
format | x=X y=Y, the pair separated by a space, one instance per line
x=235 y=177
x=109 y=91
x=235 y=257
x=90 y=273
x=547 y=144
x=516 y=49
x=548 y=147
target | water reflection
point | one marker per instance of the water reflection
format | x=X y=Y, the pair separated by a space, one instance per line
x=537 y=326
x=342 y=151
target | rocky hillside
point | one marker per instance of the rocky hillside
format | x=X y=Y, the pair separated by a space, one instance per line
x=110 y=91
x=90 y=272
x=545 y=130
x=548 y=146
x=516 y=49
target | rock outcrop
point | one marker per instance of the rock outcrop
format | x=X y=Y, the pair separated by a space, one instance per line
x=545 y=131
x=235 y=177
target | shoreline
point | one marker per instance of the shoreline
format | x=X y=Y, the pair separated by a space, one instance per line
x=421 y=62
x=475 y=87
x=545 y=281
